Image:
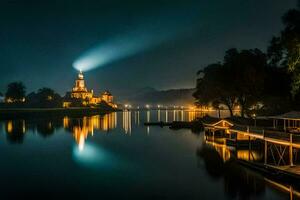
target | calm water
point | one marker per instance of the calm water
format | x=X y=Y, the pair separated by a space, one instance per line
x=115 y=156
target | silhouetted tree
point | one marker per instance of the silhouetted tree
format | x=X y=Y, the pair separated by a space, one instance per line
x=15 y=92
x=214 y=86
x=238 y=80
x=45 y=97
x=246 y=71
x=276 y=96
x=284 y=50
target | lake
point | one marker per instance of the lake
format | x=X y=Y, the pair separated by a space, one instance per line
x=115 y=156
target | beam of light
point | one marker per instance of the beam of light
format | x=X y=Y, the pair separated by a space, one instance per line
x=142 y=38
x=112 y=50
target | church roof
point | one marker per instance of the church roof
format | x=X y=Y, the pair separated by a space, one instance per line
x=80 y=91
x=106 y=92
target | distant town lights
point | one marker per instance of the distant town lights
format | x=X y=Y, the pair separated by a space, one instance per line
x=127 y=106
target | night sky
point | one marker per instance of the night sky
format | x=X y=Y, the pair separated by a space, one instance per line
x=40 y=41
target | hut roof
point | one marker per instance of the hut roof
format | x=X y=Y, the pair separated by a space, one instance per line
x=208 y=121
x=293 y=115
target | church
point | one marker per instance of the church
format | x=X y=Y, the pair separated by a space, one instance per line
x=81 y=96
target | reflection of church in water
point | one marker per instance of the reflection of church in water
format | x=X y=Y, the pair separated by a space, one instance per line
x=80 y=128
x=80 y=95
x=83 y=127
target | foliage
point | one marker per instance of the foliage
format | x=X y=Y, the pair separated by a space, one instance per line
x=239 y=80
x=284 y=50
x=247 y=72
x=214 y=86
x=16 y=92
x=45 y=97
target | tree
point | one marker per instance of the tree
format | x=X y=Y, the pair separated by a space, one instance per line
x=15 y=92
x=246 y=73
x=213 y=86
x=45 y=97
x=276 y=97
x=46 y=94
x=284 y=50
x=238 y=80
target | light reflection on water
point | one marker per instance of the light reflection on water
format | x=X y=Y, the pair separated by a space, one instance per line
x=117 y=150
x=219 y=150
x=89 y=154
x=84 y=127
x=95 y=157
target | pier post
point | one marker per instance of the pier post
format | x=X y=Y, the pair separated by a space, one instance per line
x=158 y=115
x=291 y=193
x=291 y=150
x=249 y=148
x=166 y=115
x=266 y=152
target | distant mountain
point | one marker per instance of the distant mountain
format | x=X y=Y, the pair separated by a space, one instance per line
x=144 y=91
x=152 y=96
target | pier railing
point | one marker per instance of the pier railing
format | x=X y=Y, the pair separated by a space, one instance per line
x=248 y=129
x=265 y=133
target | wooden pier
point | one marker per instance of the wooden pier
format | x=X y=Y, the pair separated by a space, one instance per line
x=280 y=148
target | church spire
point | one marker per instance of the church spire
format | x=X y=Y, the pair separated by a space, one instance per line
x=80 y=75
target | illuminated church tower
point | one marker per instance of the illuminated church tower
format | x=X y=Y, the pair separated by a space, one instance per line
x=80 y=90
x=81 y=93
x=79 y=83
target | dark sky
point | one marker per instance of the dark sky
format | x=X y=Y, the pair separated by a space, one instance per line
x=40 y=41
